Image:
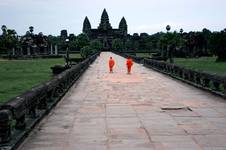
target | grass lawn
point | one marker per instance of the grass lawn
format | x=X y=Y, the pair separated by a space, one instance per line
x=143 y=54
x=18 y=76
x=76 y=55
x=206 y=64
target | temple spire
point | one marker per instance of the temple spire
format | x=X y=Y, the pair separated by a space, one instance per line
x=104 y=24
x=86 y=26
x=123 y=26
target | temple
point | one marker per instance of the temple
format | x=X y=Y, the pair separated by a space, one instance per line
x=105 y=33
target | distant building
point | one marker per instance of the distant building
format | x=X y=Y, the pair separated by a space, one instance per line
x=105 y=33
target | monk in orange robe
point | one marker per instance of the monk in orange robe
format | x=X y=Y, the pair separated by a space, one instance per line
x=111 y=64
x=129 y=63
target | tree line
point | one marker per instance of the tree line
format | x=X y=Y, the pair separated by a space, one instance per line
x=11 y=43
x=185 y=44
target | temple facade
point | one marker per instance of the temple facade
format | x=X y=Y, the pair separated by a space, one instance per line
x=105 y=33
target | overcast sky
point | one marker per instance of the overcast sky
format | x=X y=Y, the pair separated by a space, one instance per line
x=150 y=16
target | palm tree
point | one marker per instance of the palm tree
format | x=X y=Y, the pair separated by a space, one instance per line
x=9 y=39
x=31 y=29
x=181 y=31
x=4 y=29
x=168 y=28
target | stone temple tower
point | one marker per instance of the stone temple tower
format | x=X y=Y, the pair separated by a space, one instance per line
x=104 y=23
x=86 y=26
x=123 y=26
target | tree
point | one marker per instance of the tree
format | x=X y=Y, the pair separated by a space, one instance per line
x=53 y=39
x=4 y=29
x=135 y=41
x=86 y=51
x=153 y=41
x=82 y=40
x=31 y=29
x=96 y=45
x=117 y=44
x=190 y=43
x=12 y=38
x=128 y=45
x=168 y=28
x=71 y=37
x=199 y=44
x=162 y=44
x=73 y=45
x=206 y=34
x=181 y=31
x=143 y=41
x=9 y=40
x=218 y=44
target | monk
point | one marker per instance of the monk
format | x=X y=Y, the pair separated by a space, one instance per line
x=129 y=63
x=111 y=64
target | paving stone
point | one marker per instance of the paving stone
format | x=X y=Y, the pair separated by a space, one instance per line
x=130 y=144
x=123 y=122
x=208 y=112
x=211 y=141
x=127 y=133
x=176 y=142
x=165 y=130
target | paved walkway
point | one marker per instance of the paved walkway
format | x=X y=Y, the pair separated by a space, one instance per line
x=142 y=111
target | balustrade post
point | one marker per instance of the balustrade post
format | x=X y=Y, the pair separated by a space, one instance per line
x=216 y=85
x=206 y=82
x=5 y=125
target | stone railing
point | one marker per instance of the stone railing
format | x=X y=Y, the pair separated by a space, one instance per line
x=24 y=57
x=135 y=58
x=20 y=114
x=210 y=82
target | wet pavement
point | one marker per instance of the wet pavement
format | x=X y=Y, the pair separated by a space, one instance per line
x=145 y=110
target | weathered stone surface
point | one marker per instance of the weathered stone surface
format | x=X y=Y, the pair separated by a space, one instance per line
x=123 y=112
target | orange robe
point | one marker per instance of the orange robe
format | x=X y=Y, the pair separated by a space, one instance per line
x=111 y=64
x=129 y=64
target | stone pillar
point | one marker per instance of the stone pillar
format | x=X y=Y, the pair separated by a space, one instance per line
x=56 y=50
x=5 y=126
x=224 y=88
x=51 y=49
x=28 y=51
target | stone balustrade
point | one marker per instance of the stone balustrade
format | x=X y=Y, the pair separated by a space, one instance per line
x=135 y=58
x=17 y=115
x=211 y=82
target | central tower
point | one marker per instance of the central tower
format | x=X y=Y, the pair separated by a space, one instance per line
x=104 y=22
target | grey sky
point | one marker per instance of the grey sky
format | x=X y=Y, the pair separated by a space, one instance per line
x=151 y=16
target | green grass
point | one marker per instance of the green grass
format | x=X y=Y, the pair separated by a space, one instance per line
x=18 y=76
x=76 y=55
x=207 y=64
x=143 y=54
